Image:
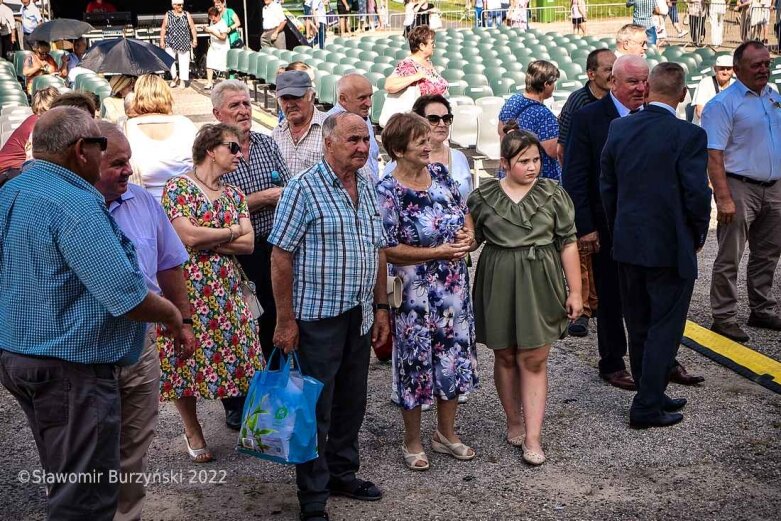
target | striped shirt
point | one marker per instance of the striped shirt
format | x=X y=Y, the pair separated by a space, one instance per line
x=67 y=273
x=576 y=101
x=254 y=174
x=309 y=149
x=335 y=245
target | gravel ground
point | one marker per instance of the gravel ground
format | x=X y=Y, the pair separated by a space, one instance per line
x=722 y=462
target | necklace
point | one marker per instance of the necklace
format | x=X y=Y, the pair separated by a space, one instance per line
x=219 y=183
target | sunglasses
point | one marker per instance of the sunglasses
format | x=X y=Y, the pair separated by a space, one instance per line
x=233 y=147
x=102 y=141
x=434 y=119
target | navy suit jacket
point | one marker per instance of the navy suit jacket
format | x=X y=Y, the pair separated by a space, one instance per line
x=580 y=173
x=654 y=186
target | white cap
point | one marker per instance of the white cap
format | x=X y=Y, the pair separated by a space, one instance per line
x=725 y=60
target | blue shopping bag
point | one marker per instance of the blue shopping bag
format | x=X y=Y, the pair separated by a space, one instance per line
x=279 y=421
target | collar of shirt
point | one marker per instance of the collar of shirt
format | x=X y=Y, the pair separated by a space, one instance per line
x=70 y=177
x=745 y=90
x=113 y=205
x=360 y=177
x=318 y=117
x=664 y=106
x=622 y=110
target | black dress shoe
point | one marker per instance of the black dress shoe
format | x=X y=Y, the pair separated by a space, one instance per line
x=620 y=379
x=673 y=404
x=665 y=419
x=678 y=375
x=313 y=516
x=233 y=419
x=356 y=489
x=772 y=322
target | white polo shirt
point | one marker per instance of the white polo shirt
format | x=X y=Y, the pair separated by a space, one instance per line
x=747 y=127
x=273 y=15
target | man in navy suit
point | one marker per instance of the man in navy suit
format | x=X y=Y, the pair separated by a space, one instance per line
x=580 y=178
x=657 y=204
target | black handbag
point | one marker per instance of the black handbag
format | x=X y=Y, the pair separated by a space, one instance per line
x=238 y=44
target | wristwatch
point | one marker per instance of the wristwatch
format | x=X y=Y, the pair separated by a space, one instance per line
x=382 y=306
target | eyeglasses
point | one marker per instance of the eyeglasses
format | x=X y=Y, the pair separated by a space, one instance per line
x=434 y=119
x=99 y=140
x=233 y=147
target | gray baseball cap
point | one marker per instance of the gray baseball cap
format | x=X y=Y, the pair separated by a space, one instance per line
x=293 y=83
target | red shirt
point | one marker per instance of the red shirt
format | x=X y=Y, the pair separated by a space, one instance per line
x=14 y=152
x=105 y=7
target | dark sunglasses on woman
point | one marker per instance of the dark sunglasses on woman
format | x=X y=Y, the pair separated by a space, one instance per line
x=434 y=119
x=233 y=147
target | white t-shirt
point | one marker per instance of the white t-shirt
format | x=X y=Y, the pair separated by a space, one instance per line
x=273 y=15
x=7 y=22
x=704 y=92
x=156 y=161
x=217 y=57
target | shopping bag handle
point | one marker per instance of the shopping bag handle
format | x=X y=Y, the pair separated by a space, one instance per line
x=284 y=365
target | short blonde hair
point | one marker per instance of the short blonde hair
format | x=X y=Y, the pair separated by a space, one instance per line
x=43 y=99
x=153 y=96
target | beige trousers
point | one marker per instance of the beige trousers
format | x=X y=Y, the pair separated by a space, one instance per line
x=758 y=222
x=139 y=387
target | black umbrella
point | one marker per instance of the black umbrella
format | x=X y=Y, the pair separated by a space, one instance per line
x=60 y=29
x=126 y=56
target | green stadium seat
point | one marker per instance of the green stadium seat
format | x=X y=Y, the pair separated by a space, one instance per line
x=326 y=93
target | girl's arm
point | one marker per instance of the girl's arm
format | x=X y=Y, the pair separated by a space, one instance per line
x=570 y=261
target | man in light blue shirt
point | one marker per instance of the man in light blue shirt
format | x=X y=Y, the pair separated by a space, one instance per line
x=354 y=94
x=160 y=257
x=743 y=123
x=72 y=307
x=30 y=17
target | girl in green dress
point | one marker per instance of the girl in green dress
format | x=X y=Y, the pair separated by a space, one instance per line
x=520 y=297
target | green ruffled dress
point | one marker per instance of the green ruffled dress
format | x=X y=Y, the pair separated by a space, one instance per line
x=520 y=293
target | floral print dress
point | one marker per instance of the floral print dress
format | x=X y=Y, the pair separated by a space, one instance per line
x=434 y=338
x=432 y=84
x=227 y=350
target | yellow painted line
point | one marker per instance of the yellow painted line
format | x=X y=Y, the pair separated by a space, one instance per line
x=746 y=358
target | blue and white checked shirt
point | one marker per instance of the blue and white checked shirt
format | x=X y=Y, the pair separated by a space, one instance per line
x=643 y=13
x=67 y=273
x=335 y=245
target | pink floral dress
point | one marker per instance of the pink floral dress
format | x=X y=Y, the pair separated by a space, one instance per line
x=227 y=353
x=432 y=84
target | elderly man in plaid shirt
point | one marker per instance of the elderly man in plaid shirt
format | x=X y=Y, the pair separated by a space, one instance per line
x=330 y=277
x=261 y=174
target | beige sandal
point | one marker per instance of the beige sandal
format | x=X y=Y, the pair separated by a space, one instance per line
x=202 y=455
x=411 y=458
x=532 y=457
x=516 y=441
x=457 y=450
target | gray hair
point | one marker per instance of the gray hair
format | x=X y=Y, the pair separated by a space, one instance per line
x=628 y=31
x=60 y=127
x=110 y=130
x=667 y=79
x=346 y=79
x=332 y=121
x=218 y=93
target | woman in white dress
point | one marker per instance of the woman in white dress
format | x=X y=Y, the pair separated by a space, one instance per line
x=161 y=142
x=217 y=57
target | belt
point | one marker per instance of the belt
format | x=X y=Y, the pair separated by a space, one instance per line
x=744 y=179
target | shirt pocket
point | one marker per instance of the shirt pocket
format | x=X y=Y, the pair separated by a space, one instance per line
x=146 y=253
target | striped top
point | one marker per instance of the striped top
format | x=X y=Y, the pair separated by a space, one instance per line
x=335 y=244
x=576 y=101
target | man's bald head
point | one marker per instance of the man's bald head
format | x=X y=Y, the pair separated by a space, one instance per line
x=59 y=137
x=629 y=82
x=354 y=93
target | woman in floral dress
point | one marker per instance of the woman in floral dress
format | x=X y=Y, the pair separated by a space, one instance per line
x=212 y=220
x=429 y=233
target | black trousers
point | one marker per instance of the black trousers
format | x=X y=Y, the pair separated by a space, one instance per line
x=656 y=302
x=74 y=413
x=334 y=351
x=611 y=338
x=257 y=266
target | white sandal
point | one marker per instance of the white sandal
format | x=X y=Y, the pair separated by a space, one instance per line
x=457 y=450
x=196 y=453
x=411 y=458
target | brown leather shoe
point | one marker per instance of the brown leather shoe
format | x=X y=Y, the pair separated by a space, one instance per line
x=730 y=330
x=620 y=379
x=679 y=375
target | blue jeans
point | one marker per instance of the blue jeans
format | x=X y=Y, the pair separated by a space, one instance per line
x=321 y=30
x=478 y=16
x=651 y=33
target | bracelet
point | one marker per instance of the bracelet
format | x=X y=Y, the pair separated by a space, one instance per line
x=386 y=307
x=187 y=321
x=231 y=238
